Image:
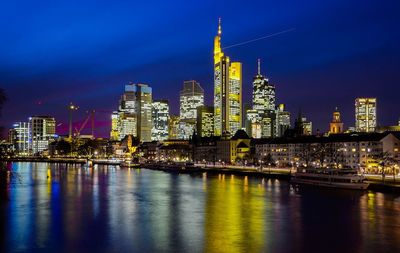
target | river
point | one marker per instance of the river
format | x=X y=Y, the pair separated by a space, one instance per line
x=60 y=208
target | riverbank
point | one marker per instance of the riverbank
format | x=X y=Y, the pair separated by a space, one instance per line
x=374 y=185
x=63 y=160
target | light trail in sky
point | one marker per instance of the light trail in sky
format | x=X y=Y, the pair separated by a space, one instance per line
x=261 y=38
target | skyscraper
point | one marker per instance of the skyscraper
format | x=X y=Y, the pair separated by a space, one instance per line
x=227 y=91
x=336 y=125
x=43 y=130
x=173 y=127
x=283 y=120
x=134 y=115
x=191 y=97
x=264 y=105
x=205 y=121
x=366 y=118
x=253 y=123
x=302 y=126
x=160 y=117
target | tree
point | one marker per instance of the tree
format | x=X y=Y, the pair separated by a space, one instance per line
x=387 y=160
x=268 y=160
x=63 y=147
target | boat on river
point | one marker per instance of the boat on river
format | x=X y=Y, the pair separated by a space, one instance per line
x=334 y=178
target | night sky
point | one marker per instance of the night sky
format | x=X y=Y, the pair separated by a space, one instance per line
x=52 y=53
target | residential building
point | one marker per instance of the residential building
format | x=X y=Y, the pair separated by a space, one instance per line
x=353 y=150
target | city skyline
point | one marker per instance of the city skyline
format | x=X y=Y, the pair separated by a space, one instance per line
x=363 y=70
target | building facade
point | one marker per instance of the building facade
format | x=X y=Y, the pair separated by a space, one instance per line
x=357 y=151
x=173 y=127
x=191 y=97
x=20 y=137
x=365 y=114
x=43 y=130
x=134 y=115
x=160 y=118
x=205 y=121
x=227 y=91
x=283 y=120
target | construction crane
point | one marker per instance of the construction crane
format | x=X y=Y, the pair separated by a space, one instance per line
x=89 y=117
x=71 y=109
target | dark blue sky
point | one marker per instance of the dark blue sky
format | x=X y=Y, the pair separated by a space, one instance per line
x=54 y=52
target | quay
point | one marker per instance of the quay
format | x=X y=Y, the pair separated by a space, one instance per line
x=376 y=183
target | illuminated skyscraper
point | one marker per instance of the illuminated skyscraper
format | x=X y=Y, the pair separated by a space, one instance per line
x=253 y=123
x=43 y=130
x=205 y=121
x=264 y=107
x=191 y=97
x=365 y=114
x=134 y=113
x=227 y=91
x=283 y=120
x=160 y=115
x=336 y=126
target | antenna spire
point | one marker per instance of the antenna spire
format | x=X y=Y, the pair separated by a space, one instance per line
x=219 y=26
x=259 y=66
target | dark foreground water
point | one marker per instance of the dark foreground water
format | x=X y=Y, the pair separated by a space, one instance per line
x=52 y=208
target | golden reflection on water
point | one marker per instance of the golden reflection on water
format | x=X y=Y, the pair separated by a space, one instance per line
x=234 y=219
x=167 y=213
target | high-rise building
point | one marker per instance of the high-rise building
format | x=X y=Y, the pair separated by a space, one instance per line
x=134 y=115
x=20 y=137
x=205 y=121
x=191 y=97
x=283 y=120
x=302 y=126
x=366 y=118
x=114 y=134
x=160 y=115
x=336 y=125
x=43 y=130
x=227 y=91
x=173 y=127
x=264 y=106
x=253 y=123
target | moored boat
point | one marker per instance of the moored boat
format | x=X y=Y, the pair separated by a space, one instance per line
x=334 y=178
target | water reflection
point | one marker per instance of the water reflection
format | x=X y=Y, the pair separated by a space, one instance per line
x=70 y=208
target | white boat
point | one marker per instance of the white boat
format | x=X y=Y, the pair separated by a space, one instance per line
x=335 y=178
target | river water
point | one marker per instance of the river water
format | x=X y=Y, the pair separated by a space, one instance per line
x=59 y=208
